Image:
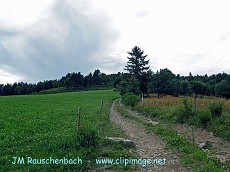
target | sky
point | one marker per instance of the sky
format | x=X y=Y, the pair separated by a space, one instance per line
x=46 y=39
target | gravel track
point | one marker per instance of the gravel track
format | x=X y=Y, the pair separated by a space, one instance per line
x=148 y=145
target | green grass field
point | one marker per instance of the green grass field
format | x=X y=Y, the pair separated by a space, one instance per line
x=44 y=126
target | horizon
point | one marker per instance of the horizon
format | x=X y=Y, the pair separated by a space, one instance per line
x=41 y=40
x=109 y=74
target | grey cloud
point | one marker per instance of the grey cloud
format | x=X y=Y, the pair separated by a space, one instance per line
x=2 y=53
x=73 y=37
x=7 y=32
x=184 y=63
x=199 y=63
x=142 y=13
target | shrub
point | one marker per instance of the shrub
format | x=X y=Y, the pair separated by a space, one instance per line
x=184 y=112
x=220 y=126
x=87 y=138
x=203 y=119
x=130 y=99
x=222 y=89
x=187 y=107
x=216 y=108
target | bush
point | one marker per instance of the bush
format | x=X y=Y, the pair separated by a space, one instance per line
x=87 y=138
x=216 y=108
x=220 y=126
x=187 y=107
x=184 y=112
x=130 y=99
x=222 y=89
x=203 y=119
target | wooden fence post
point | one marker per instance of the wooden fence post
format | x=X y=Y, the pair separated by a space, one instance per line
x=79 y=118
x=194 y=102
x=193 y=138
x=142 y=99
x=101 y=104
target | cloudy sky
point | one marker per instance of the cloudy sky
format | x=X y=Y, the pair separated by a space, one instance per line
x=46 y=39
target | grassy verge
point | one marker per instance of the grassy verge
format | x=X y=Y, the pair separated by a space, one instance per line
x=64 y=89
x=191 y=155
x=113 y=150
x=45 y=126
x=171 y=109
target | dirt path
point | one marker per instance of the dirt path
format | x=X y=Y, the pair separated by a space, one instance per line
x=148 y=145
x=220 y=148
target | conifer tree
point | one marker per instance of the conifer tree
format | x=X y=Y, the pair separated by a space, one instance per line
x=137 y=66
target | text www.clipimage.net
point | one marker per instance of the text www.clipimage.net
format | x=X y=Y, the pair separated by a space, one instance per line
x=126 y=161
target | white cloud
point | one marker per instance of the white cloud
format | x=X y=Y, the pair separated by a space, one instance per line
x=8 y=75
x=47 y=39
x=71 y=39
x=22 y=12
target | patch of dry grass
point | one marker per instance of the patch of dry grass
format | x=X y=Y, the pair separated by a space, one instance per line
x=168 y=108
x=167 y=103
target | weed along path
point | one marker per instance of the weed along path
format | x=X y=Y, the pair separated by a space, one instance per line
x=151 y=149
x=220 y=148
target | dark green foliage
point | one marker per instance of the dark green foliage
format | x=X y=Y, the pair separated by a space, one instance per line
x=222 y=89
x=203 y=119
x=117 y=81
x=187 y=107
x=87 y=138
x=199 y=87
x=216 y=108
x=71 y=82
x=140 y=79
x=185 y=88
x=162 y=82
x=130 y=99
x=184 y=112
x=129 y=84
x=220 y=126
x=137 y=66
x=96 y=79
x=136 y=63
x=175 y=87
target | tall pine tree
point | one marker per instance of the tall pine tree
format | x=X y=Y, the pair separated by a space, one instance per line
x=138 y=66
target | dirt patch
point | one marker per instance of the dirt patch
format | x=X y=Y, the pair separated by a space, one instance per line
x=221 y=148
x=148 y=145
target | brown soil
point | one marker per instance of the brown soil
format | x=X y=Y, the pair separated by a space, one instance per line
x=148 y=145
x=221 y=148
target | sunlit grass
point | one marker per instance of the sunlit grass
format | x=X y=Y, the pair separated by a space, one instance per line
x=43 y=126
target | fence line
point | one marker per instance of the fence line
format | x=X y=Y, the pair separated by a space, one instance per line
x=79 y=118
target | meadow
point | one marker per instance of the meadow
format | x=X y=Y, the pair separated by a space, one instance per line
x=44 y=126
x=172 y=109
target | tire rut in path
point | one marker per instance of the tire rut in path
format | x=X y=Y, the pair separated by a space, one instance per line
x=148 y=145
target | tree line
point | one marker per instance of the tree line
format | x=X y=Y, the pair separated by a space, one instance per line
x=71 y=81
x=164 y=82
x=139 y=79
